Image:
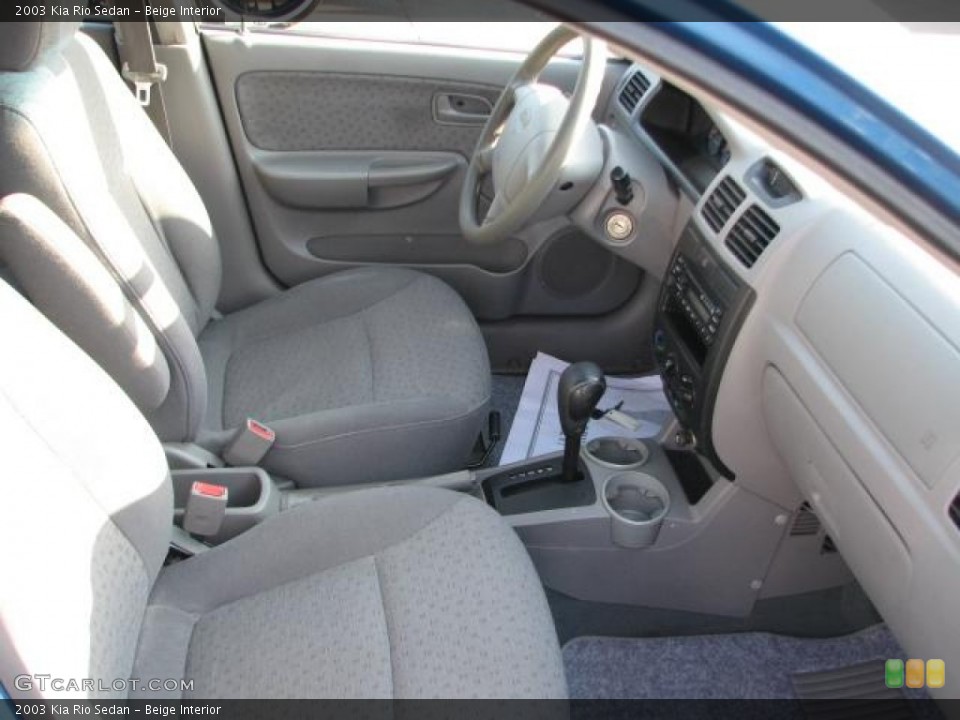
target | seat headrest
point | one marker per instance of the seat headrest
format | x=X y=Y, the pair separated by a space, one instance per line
x=22 y=44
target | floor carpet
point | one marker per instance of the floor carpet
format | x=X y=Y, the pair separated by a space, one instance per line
x=734 y=666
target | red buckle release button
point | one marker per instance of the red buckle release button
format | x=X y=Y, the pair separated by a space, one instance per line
x=261 y=431
x=209 y=489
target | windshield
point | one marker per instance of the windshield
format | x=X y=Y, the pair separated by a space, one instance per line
x=911 y=65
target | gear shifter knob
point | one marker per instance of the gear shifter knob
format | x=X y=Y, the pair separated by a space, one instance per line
x=580 y=389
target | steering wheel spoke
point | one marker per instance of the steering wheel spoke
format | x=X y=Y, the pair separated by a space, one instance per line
x=497 y=206
x=483 y=159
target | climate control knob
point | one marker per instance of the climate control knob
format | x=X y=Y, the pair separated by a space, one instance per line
x=670 y=366
x=659 y=342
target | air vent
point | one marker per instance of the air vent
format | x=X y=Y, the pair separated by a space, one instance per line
x=751 y=234
x=722 y=203
x=955 y=511
x=805 y=522
x=633 y=91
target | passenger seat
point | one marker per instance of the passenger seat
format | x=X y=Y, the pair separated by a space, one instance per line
x=373 y=374
x=387 y=593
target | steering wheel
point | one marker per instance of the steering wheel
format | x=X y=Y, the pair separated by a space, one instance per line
x=527 y=140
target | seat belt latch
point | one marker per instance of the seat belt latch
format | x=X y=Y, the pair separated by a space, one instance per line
x=206 y=508
x=143 y=82
x=250 y=444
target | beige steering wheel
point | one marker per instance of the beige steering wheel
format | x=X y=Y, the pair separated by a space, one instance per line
x=509 y=214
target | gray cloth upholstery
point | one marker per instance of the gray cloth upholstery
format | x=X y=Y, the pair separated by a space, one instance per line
x=31 y=40
x=380 y=375
x=395 y=592
x=74 y=290
x=74 y=138
x=87 y=501
x=366 y=375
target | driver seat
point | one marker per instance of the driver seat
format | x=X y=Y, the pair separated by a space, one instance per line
x=368 y=375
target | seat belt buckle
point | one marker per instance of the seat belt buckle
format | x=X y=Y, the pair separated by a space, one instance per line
x=143 y=82
x=206 y=508
x=250 y=444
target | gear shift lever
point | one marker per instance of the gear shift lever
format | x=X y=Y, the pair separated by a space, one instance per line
x=580 y=389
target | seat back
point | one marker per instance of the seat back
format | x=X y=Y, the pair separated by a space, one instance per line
x=73 y=136
x=87 y=513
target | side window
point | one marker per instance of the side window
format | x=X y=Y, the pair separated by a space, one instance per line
x=517 y=37
x=514 y=28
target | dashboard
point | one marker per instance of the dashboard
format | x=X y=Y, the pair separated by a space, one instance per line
x=809 y=346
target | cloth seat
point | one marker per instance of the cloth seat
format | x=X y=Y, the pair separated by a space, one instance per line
x=369 y=374
x=374 y=375
x=394 y=592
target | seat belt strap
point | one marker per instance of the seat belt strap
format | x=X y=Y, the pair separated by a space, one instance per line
x=140 y=68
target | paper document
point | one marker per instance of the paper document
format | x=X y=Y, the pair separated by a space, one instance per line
x=536 y=427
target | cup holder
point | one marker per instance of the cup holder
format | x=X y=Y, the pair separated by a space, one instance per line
x=617 y=453
x=637 y=504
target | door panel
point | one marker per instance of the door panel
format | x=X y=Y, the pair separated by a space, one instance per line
x=354 y=153
x=351 y=111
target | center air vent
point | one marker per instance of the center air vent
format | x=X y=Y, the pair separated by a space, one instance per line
x=751 y=234
x=805 y=522
x=633 y=91
x=722 y=203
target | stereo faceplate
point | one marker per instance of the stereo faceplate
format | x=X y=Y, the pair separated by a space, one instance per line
x=702 y=306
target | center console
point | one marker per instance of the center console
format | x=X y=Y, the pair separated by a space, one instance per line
x=642 y=522
x=702 y=306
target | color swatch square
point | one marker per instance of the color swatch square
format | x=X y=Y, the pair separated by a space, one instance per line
x=936 y=673
x=915 y=673
x=893 y=673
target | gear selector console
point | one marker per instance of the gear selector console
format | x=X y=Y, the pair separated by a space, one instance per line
x=551 y=484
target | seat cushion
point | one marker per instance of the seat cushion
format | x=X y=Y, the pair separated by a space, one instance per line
x=391 y=593
x=367 y=375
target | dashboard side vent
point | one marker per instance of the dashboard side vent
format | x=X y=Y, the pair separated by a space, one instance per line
x=722 y=203
x=955 y=510
x=751 y=234
x=805 y=522
x=634 y=91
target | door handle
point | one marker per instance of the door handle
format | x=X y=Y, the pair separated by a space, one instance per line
x=461 y=109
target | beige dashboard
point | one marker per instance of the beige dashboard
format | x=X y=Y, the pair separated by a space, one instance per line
x=843 y=389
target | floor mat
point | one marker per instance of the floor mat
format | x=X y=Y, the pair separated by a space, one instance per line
x=744 y=665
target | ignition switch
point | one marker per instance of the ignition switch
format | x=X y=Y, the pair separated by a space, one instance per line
x=619 y=226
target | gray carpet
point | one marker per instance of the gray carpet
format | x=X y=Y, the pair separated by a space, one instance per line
x=505 y=398
x=737 y=666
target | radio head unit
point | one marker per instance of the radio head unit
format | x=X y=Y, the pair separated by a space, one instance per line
x=702 y=306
